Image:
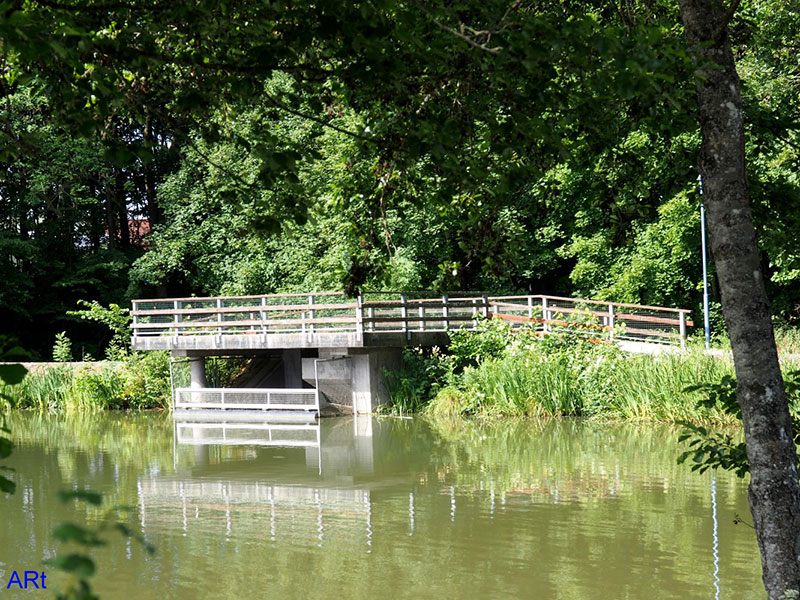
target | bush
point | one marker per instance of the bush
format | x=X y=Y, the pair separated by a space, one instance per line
x=62 y=350
x=423 y=373
x=499 y=371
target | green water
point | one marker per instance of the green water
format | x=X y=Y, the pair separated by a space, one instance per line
x=382 y=508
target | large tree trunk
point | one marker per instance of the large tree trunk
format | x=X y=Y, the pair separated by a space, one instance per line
x=154 y=213
x=774 y=490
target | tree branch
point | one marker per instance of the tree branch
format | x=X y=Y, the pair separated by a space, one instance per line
x=155 y=7
x=726 y=19
x=278 y=104
x=461 y=35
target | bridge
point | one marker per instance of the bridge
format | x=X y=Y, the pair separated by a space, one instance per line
x=330 y=344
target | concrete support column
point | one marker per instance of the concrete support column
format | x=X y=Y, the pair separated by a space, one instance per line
x=200 y=455
x=292 y=369
x=368 y=385
x=363 y=445
x=197 y=372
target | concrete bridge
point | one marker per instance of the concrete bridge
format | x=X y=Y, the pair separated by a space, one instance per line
x=327 y=344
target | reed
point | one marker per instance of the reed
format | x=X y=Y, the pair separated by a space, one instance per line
x=139 y=382
x=560 y=376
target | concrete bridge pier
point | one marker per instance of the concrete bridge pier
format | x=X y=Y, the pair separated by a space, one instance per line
x=197 y=372
x=292 y=368
x=353 y=376
x=346 y=376
x=368 y=381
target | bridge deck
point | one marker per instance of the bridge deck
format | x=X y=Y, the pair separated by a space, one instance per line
x=385 y=319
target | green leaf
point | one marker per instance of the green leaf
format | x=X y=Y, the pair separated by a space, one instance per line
x=80 y=565
x=12 y=374
x=70 y=532
x=6 y=485
x=15 y=353
x=6 y=446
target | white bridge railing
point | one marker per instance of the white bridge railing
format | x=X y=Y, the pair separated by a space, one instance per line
x=247 y=399
x=397 y=312
x=252 y=434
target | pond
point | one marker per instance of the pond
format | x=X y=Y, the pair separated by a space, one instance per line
x=380 y=508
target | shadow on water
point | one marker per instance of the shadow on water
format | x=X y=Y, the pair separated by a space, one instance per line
x=384 y=506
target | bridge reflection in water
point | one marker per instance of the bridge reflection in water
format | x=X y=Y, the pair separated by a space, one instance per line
x=278 y=493
x=392 y=487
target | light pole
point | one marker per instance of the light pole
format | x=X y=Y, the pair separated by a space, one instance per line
x=705 y=265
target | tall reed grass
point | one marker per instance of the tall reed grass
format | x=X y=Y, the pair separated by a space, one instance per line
x=142 y=381
x=564 y=375
x=610 y=385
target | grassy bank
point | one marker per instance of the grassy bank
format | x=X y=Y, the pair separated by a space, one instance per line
x=141 y=381
x=495 y=371
x=134 y=381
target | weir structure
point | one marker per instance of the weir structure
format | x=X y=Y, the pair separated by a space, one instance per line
x=325 y=347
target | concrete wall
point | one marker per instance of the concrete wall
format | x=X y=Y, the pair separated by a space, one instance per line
x=348 y=377
x=353 y=377
x=369 y=386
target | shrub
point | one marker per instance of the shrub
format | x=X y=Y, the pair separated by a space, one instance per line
x=62 y=350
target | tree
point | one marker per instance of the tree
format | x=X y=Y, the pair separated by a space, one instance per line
x=774 y=489
x=457 y=84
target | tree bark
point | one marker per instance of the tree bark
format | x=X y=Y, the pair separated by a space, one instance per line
x=774 y=491
x=154 y=213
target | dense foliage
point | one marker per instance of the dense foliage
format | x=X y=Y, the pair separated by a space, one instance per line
x=497 y=371
x=569 y=170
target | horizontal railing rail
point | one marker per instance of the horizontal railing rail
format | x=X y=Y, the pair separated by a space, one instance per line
x=259 y=434
x=247 y=399
x=398 y=312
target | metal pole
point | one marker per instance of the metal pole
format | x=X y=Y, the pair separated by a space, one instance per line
x=172 y=383
x=705 y=267
x=316 y=387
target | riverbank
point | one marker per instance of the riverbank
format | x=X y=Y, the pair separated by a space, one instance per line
x=494 y=372
x=498 y=372
x=140 y=381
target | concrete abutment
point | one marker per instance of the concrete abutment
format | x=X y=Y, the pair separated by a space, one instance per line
x=351 y=378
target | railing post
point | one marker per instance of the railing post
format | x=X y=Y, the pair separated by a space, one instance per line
x=264 y=315
x=545 y=316
x=485 y=309
x=530 y=307
x=445 y=313
x=316 y=384
x=404 y=314
x=421 y=316
x=135 y=318
x=371 y=318
x=360 y=317
x=219 y=315
x=178 y=318
x=222 y=398
x=611 y=320
x=682 y=321
x=312 y=314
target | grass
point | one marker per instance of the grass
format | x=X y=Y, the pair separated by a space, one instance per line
x=142 y=381
x=652 y=387
x=558 y=376
x=609 y=386
x=788 y=340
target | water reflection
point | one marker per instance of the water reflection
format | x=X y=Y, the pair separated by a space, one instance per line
x=715 y=548
x=403 y=508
